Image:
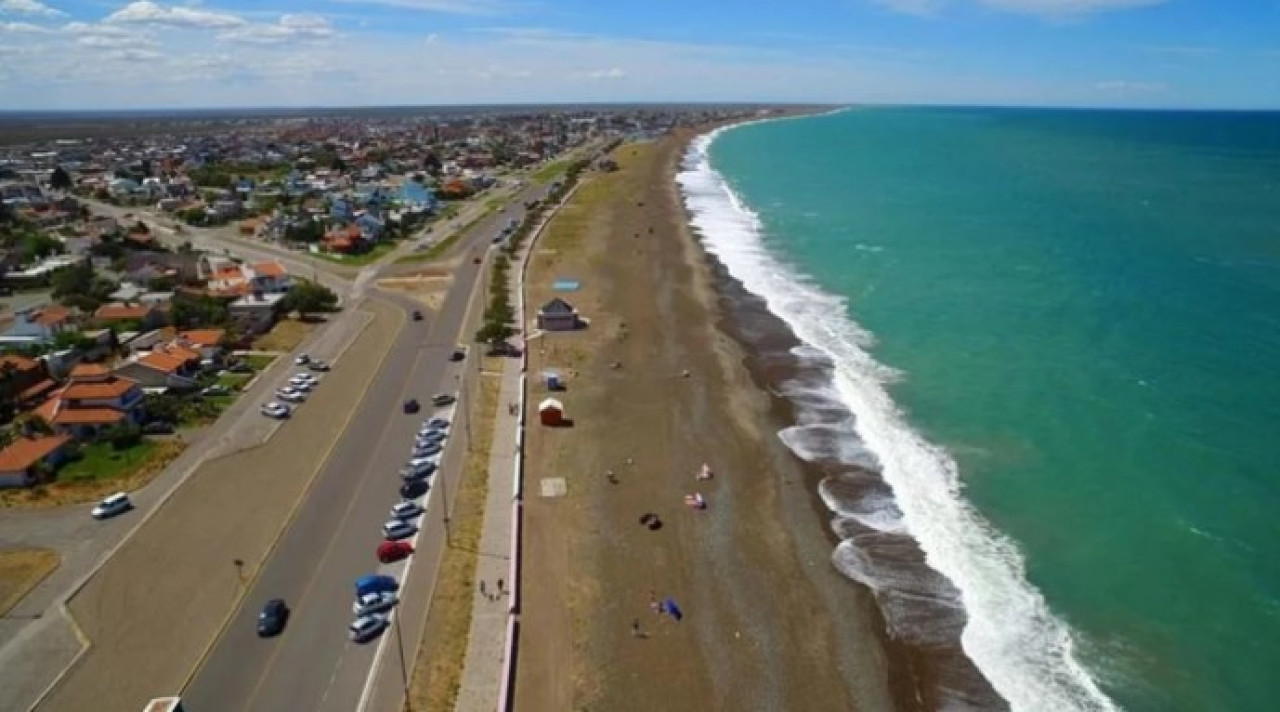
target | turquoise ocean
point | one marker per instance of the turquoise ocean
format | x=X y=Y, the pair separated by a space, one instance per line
x=1057 y=333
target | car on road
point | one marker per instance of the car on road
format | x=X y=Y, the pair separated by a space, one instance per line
x=397 y=529
x=117 y=503
x=302 y=359
x=304 y=377
x=373 y=583
x=372 y=603
x=276 y=410
x=437 y=424
x=430 y=437
x=426 y=450
x=292 y=395
x=421 y=470
x=411 y=406
x=215 y=391
x=475 y=260
x=458 y=354
x=318 y=366
x=440 y=400
x=301 y=384
x=367 y=628
x=414 y=488
x=407 y=509
x=417 y=315
x=392 y=551
x=272 y=618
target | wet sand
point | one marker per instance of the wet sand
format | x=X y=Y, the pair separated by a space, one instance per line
x=768 y=622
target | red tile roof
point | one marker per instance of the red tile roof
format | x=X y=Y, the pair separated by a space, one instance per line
x=91 y=371
x=87 y=416
x=204 y=337
x=122 y=311
x=113 y=387
x=162 y=362
x=269 y=269
x=24 y=453
x=19 y=363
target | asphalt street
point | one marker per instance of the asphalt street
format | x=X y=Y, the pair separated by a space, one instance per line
x=331 y=542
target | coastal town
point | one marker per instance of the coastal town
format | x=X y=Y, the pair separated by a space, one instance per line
x=270 y=294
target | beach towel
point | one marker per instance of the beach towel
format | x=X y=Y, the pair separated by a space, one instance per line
x=669 y=605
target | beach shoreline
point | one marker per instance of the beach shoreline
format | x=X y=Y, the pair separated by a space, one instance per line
x=768 y=622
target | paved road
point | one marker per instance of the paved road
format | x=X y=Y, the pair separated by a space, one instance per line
x=312 y=666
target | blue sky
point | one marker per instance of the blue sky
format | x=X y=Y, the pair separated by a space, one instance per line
x=75 y=54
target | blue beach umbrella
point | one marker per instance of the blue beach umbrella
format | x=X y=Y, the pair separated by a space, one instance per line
x=669 y=605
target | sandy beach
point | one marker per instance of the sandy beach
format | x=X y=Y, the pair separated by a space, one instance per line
x=656 y=387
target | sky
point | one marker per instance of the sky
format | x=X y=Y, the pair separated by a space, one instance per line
x=104 y=54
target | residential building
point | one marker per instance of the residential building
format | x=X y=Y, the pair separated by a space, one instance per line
x=22 y=460
x=557 y=315
x=93 y=399
x=255 y=313
x=39 y=326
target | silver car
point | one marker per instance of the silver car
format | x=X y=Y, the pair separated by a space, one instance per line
x=398 y=529
x=366 y=628
x=372 y=603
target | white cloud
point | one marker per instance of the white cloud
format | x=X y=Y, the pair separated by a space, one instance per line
x=116 y=41
x=431 y=39
x=451 y=7
x=23 y=28
x=611 y=73
x=29 y=7
x=288 y=28
x=1053 y=9
x=145 y=12
x=133 y=55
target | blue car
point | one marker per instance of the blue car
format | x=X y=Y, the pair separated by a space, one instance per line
x=374 y=583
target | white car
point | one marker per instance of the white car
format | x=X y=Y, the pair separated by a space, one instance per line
x=276 y=410
x=425 y=450
x=302 y=360
x=366 y=628
x=372 y=603
x=291 y=394
x=304 y=378
x=408 y=509
x=111 y=506
x=304 y=386
x=398 y=529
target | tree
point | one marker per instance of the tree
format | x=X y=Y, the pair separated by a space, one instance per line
x=307 y=230
x=163 y=407
x=60 y=180
x=191 y=311
x=71 y=280
x=123 y=436
x=308 y=297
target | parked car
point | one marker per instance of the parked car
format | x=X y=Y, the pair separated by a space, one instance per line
x=417 y=470
x=373 y=583
x=430 y=437
x=440 y=400
x=407 y=509
x=411 y=406
x=414 y=488
x=397 y=529
x=276 y=410
x=158 y=427
x=302 y=360
x=426 y=450
x=292 y=395
x=117 y=503
x=458 y=354
x=318 y=366
x=272 y=618
x=417 y=315
x=392 y=551
x=367 y=628
x=437 y=424
x=301 y=384
x=215 y=391
x=372 y=603
x=304 y=377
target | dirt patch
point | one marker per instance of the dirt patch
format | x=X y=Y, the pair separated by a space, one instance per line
x=427 y=286
x=284 y=336
x=153 y=609
x=437 y=675
x=22 y=570
x=57 y=494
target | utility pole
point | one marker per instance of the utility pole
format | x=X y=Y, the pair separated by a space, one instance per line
x=404 y=671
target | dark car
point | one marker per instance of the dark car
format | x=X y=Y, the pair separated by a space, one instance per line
x=417 y=315
x=411 y=406
x=442 y=399
x=318 y=366
x=414 y=488
x=271 y=619
x=158 y=427
x=458 y=355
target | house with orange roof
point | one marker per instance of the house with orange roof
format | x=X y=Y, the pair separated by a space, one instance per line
x=206 y=342
x=19 y=373
x=39 y=325
x=93 y=399
x=346 y=239
x=149 y=316
x=22 y=461
x=161 y=369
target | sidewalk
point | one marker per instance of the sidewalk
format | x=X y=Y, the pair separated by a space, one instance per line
x=482 y=675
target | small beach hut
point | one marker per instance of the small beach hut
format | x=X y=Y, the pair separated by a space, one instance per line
x=551 y=412
x=553 y=381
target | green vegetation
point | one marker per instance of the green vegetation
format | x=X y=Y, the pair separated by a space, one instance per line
x=499 y=313
x=79 y=286
x=259 y=363
x=309 y=297
x=198 y=311
x=103 y=461
x=550 y=172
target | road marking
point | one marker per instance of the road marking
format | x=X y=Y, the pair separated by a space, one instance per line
x=293 y=514
x=365 y=479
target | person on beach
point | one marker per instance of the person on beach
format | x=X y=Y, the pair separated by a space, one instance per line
x=482 y=593
x=500 y=591
x=635 y=627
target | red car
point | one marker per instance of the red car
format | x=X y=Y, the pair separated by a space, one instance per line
x=389 y=551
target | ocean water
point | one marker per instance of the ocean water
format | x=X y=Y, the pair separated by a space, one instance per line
x=1051 y=347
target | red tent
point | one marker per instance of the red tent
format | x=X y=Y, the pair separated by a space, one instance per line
x=551 y=412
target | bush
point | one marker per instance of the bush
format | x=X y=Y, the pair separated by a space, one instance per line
x=123 y=437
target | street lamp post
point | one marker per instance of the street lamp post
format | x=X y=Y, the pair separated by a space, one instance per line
x=404 y=671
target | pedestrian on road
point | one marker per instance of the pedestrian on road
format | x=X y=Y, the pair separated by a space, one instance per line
x=499 y=587
x=482 y=587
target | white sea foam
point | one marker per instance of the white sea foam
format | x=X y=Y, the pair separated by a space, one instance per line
x=1025 y=652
